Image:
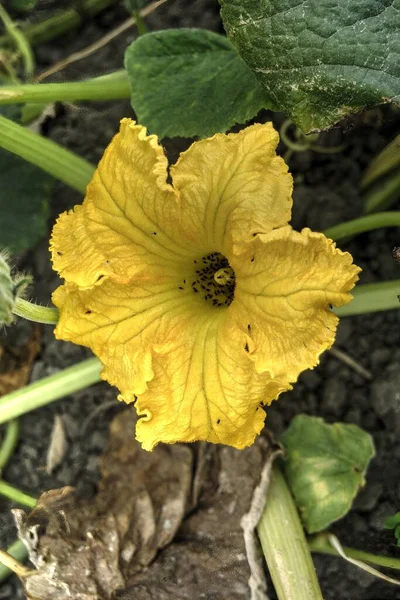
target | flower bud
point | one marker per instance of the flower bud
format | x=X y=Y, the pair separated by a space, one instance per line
x=6 y=291
x=10 y=289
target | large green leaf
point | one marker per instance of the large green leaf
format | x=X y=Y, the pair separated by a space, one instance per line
x=24 y=209
x=319 y=60
x=190 y=82
x=325 y=467
x=24 y=198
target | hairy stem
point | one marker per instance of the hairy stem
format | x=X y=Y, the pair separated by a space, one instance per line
x=35 y=312
x=285 y=546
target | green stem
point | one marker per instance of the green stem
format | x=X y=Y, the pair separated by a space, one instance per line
x=9 y=443
x=50 y=388
x=115 y=86
x=320 y=544
x=285 y=545
x=49 y=156
x=18 y=551
x=372 y=297
x=140 y=23
x=293 y=145
x=35 y=312
x=20 y=42
x=16 y=495
x=64 y=21
x=384 y=194
x=367 y=223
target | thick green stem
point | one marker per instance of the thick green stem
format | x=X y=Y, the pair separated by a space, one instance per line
x=35 y=312
x=321 y=545
x=9 y=443
x=50 y=388
x=285 y=545
x=63 y=21
x=16 y=495
x=49 y=156
x=18 y=551
x=372 y=297
x=115 y=86
x=367 y=223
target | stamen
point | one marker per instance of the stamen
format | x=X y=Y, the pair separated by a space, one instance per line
x=224 y=276
x=216 y=280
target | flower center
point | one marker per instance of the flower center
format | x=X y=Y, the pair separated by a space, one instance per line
x=214 y=279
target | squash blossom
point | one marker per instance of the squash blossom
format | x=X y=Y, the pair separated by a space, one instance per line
x=187 y=282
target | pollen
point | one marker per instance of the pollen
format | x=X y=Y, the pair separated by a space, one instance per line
x=214 y=280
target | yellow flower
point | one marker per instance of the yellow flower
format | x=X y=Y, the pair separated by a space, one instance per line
x=199 y=299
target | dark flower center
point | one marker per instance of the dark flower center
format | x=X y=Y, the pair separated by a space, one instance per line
x=214 y=279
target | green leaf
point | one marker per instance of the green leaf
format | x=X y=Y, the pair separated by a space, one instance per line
x=190 y=82
x=24 y=209
x=392 y=522
x=25 y=194
x=325 y=468
x=319 y=61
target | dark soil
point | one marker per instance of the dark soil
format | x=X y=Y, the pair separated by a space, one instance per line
x=326 y=193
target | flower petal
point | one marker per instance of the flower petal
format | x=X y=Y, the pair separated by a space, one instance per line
x=205 y=387
x=190 y=370
x=125 y=225
x=74 y=254
x=120 y=323
x=286 y=283
x=233 y=186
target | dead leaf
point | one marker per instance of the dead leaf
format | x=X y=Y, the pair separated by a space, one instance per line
x=18 y=350
x=208 y=559
x=165 y=525
x=85 y=549
x=58 y=445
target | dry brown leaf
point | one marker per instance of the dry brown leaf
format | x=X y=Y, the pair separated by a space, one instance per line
x=86 y=549
x=18 y=350
x=164 y=525
x=208 y=559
